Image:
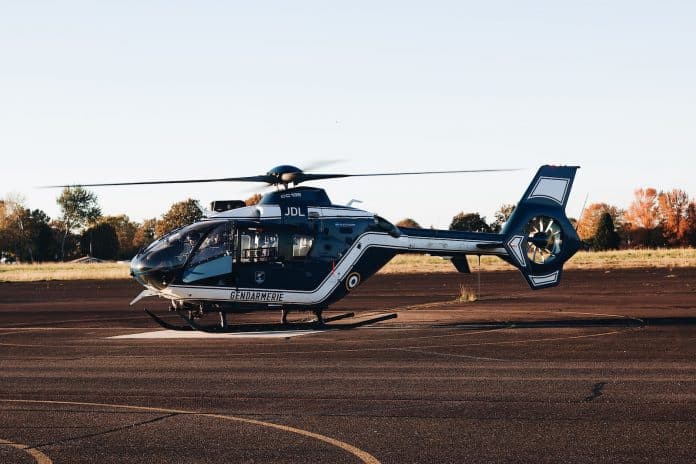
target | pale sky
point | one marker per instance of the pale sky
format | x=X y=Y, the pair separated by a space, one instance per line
x=127 y=91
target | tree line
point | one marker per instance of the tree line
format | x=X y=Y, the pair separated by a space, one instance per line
x=653 y=219
x=81 y=229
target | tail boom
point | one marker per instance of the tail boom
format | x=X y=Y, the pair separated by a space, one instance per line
x=538 y=238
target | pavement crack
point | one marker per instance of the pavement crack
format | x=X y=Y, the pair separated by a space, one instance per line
x=104 y=432
x=596 y=392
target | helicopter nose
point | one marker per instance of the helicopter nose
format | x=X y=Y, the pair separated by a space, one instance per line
x=150 y=270
x=143 y=273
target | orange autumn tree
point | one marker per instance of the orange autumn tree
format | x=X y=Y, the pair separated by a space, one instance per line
x=589 y=221
x=643 y=220
x=677 y=217
x=253 y=200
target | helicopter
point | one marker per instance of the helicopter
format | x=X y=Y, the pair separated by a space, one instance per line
x=296 y=250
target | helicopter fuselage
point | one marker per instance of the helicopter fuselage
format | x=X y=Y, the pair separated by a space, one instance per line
x=294 y=250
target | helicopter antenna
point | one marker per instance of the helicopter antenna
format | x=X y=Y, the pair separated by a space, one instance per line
x=582 y=211
x=350 y=203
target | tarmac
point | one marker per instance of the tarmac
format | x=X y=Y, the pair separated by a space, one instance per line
x=600 y=369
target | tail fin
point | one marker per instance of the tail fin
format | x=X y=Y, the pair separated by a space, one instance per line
x=538 y=236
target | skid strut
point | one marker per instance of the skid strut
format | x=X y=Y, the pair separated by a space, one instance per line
x=167 y=325
x=223 y=327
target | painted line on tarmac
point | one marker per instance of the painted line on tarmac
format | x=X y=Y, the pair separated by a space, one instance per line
x=364 y=456
x=178 y=334
x=27 y=325
x=12 y=330
x=450 y=355
x=38 y=456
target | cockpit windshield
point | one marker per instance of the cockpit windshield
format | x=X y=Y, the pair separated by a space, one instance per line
x=173 y=249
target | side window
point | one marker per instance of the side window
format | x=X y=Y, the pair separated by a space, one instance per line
x=258 y=246
x=245 y=247
x=301 y=244
x=214 y=245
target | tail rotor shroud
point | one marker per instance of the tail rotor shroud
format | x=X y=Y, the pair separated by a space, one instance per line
x=545 y=239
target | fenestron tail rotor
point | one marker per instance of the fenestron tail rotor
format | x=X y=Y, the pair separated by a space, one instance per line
x=545 y=239
x=285 y=175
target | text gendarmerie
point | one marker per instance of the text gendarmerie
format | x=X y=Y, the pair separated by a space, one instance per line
x=245 y=295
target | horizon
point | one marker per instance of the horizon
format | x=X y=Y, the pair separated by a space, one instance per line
x=13 y=196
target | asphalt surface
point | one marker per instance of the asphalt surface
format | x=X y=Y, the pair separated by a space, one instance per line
x=601 y=369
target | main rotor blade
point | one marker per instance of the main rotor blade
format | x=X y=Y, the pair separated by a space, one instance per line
x=426 y=172
x=303 y=177
x=296 y=178
x=320 y=164
x=263 y=178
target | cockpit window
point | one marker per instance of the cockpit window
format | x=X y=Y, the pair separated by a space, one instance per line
x=173 y=249
x=258 y=246
x=215 y=244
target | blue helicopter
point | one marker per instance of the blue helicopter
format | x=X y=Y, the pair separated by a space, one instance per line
x=296 y=250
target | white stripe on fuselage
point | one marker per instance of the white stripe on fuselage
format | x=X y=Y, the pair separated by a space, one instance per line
x=280 y=297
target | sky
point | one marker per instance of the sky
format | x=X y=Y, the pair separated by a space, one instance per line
x=150 y=90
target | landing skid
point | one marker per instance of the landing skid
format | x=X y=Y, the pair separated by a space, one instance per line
x=167 y=325
x=191 y=324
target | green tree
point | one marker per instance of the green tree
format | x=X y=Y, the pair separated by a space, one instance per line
x=180 y=214
x=45 y=242
x=125 y=230
x=408 y=223
x=79 y=209
x=40 y=242
x=100 y=241
x=606 y=237
x=472 y=222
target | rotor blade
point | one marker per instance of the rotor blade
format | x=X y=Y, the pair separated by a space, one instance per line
x=297 y=178
x=429 y=172
x=303 y=177
x=320 y=164
x=263 y=178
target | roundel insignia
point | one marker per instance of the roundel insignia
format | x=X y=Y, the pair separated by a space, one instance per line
x=352 y=281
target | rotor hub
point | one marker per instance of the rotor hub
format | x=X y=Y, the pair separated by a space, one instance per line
x=545 y=239
x=284 y=174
